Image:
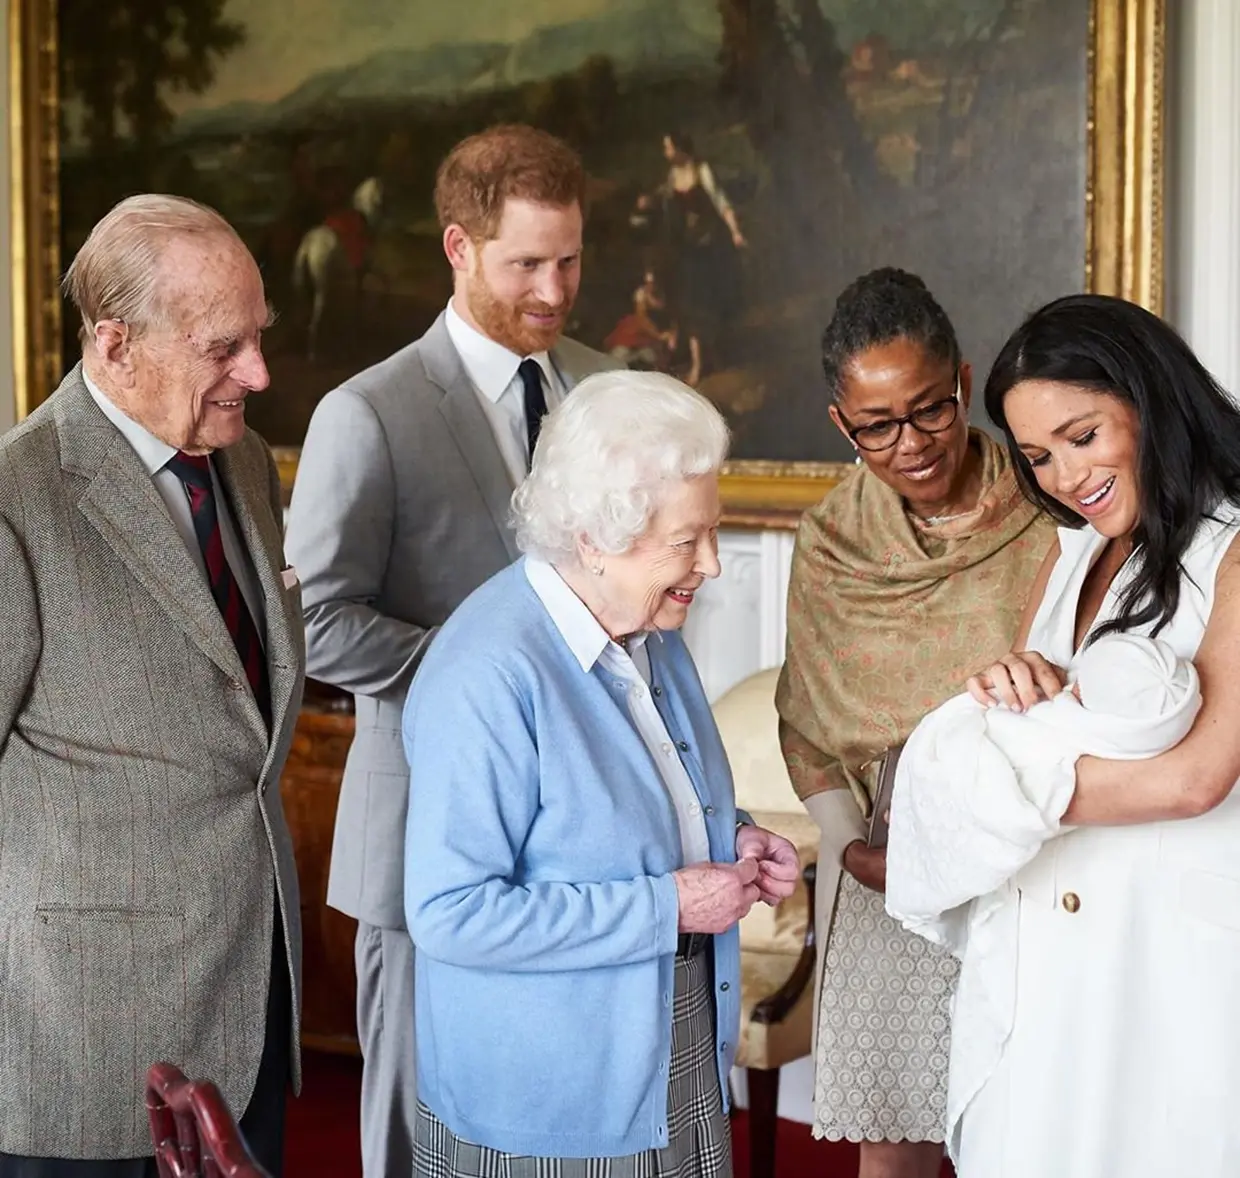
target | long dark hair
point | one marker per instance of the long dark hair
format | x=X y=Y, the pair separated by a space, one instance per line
x=1188 y=447
x=877 y=308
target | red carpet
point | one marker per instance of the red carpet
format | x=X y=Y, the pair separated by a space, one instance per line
x=323 y=1132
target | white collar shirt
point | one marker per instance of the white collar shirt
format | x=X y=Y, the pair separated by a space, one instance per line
x=629 y=669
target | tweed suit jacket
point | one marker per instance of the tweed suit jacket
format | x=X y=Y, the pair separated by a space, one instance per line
x=143 y=846
x=399 y=512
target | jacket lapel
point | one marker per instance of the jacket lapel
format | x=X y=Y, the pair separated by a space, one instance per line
x=121 y=503
x=245 y=483
x=470 y=428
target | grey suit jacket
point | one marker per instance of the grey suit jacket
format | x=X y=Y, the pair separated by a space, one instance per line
x=399 y=511
x=143 y=847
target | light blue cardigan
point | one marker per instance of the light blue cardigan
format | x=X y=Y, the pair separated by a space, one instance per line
x=538 y=888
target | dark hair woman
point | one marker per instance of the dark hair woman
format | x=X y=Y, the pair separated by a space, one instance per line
x=1126 y=955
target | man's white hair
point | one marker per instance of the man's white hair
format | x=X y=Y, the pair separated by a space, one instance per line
x=606 y=456
x=116 y=274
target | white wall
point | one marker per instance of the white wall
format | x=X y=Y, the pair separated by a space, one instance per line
x=1203 y=182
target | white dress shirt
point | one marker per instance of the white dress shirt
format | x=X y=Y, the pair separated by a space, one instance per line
x=154 y=455
x=590 y=644
x=492 y=369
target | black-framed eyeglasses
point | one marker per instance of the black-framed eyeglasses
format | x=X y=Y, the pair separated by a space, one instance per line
x=928 y=419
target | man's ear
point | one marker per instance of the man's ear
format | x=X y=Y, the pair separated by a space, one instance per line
x=111 y=340
x=114 y=345
x=459 y=248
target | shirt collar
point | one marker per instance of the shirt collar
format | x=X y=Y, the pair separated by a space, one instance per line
x=579 y=628
x=491 y=366
x=153 y=453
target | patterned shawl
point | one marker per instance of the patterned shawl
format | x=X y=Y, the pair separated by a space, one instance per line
x=888 y=615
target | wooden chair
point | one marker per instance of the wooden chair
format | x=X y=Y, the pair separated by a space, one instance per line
x=778 y=954
x=194 y=1134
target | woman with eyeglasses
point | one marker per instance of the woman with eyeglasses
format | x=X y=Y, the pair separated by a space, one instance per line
x=904 y=574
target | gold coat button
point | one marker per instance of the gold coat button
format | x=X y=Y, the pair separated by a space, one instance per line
x=1071 y=901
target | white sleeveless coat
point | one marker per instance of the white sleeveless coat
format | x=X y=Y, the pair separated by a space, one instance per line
x=1124 y=1054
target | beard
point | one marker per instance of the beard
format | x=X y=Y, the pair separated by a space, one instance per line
x=505 y=322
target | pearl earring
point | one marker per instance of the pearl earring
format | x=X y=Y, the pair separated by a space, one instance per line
x=597 y=570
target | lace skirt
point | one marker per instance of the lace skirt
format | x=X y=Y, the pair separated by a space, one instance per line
x=884 y=1021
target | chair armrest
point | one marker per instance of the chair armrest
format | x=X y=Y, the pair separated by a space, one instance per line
x=778 y=1006
x=193 y=1133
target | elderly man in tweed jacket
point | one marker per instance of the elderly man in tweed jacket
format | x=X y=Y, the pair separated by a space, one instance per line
x=151 y=672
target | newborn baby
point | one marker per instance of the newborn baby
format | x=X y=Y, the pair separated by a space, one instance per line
x=1139 y=698
x=978 y=790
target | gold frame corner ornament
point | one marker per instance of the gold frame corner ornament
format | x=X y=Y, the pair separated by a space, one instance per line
x=1123 y=217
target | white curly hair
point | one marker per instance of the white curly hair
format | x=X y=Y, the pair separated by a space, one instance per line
x=605 y=457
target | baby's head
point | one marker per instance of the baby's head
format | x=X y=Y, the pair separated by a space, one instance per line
x=1131 y=676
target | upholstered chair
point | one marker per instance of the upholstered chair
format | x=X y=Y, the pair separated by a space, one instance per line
x=777 y=945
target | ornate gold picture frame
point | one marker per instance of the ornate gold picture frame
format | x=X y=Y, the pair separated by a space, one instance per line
x=1122 y=119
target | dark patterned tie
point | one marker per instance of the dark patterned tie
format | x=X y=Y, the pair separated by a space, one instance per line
x=194 y=470
x=535 y=403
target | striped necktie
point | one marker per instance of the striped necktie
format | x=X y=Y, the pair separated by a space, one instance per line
x=194 y=470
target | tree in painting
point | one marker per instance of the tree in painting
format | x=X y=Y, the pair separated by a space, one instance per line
x=120 y=60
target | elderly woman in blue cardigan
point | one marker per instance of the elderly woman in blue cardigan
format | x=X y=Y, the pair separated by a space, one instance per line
x=575 y=865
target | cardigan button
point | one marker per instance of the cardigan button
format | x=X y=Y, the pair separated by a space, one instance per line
x=658 y=691
x=723 y=986
x=683 y=745
x=1071 y=902
x=709 y=811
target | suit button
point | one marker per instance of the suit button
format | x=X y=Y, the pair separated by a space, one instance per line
x=1071 y=902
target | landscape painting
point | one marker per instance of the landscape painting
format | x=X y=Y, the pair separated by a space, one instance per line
x=747 y=159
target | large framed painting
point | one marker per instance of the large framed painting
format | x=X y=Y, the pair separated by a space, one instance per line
x=747 y=159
